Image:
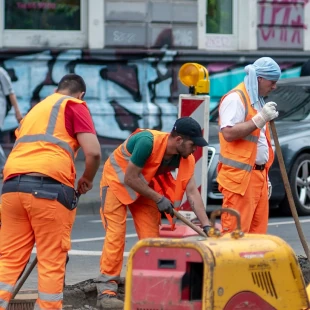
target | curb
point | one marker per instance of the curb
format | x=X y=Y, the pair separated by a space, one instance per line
x=88 y=207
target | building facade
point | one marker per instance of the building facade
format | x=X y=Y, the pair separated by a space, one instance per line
x=130 y=51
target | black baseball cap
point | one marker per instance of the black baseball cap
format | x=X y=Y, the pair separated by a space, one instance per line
x=187 y=126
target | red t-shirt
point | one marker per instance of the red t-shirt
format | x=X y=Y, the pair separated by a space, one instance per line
x=78 y=119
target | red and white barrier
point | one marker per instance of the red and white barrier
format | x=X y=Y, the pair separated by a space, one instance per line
x=197 y=107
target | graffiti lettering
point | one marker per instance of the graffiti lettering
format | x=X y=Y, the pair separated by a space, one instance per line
x=281 y=21
x=122 y=93
x=123 y=37
x=183 y=37
x=219 y=42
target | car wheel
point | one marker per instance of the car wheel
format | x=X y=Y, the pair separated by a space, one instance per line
x=299 y=179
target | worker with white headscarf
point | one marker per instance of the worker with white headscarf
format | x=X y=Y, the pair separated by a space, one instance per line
x=245 y=148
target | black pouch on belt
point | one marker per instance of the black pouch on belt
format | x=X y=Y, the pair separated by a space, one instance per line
x=64 y=194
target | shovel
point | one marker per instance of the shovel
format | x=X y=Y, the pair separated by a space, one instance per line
x=189 y=223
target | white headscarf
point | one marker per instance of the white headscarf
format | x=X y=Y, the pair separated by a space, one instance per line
x=264 y=67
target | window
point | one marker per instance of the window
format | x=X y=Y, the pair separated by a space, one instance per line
x=45 y=23
x=219 y=18
x=42 y=15
x=217 y=30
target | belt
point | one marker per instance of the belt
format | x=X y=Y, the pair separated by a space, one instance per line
x=42 y=187
x=32 y=178
x=259 y=167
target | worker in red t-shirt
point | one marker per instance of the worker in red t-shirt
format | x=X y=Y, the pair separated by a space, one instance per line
x=38 y=195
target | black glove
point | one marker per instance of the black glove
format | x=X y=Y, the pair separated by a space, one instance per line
x=165 y=205
x=206 y=229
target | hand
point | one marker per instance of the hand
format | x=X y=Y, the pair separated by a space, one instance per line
x=18 y=116
x=267 y=113
x=206 y=229
x=84 y=185
x=269 y=189
x=165 y=205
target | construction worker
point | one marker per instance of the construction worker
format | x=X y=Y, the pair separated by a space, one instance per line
x=246 y=153
x=138 y=175
x=38 y=196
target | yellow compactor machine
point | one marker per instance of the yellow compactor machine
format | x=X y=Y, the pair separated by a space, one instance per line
x=232 y=272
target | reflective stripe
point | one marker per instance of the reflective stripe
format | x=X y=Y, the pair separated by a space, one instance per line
x=3 y=303
x=50 y=297
x=235 y=164
x=251 y=138
x=48 y=136
x=107 y=283
x=6 y=287
x=54 y=115
x=37 y=307
x=121 y=175
x=244 y=100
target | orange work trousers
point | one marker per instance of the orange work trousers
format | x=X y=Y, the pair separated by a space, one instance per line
x=113 y=213
x=27 y=220
x=253 y=206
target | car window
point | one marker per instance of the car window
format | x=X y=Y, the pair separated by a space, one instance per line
x=293 y=102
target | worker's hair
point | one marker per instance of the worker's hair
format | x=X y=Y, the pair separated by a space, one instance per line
x=174 y=134
x=73 y=83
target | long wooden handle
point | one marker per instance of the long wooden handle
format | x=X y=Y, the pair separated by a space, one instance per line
x=288 y=190
x=24 y=277
x=189 y=223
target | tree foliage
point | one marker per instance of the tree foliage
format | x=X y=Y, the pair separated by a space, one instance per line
x=43 y=15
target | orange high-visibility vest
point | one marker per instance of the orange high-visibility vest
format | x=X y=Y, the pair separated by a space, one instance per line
x=43 y=144
x=116 y=165
x=237 y=158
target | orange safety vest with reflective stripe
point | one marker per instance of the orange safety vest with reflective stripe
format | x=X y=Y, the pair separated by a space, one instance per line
x=43 y=144
x=237 y=158
x=116 y=165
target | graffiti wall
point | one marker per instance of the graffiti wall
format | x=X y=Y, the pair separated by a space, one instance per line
x=281 y=23
x=124 y=90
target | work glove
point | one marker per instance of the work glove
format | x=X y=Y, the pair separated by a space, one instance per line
x=165 y=205
x=266 y=114
x=206 y=229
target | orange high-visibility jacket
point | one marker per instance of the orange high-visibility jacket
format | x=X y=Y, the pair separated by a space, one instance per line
x=237 y=158
x=43 y=144
x=116 y=165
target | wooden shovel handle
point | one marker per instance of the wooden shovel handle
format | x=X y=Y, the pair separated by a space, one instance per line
x=288 y=190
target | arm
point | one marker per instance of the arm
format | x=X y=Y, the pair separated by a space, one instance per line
x=196 y=202
x=133 y=180
x=91 y=148
x=238 y=131
x=14 y=103
x=7 y=89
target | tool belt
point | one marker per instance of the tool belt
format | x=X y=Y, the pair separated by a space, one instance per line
x=42 y=187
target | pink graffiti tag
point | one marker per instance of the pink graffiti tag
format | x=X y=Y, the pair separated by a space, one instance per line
x=284 y=15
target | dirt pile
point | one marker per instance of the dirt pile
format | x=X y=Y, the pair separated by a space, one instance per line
x=83 y=295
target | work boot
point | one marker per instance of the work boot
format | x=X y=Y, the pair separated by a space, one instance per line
x=109 y=301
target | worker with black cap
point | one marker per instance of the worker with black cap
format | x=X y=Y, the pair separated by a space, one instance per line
x=138 y=175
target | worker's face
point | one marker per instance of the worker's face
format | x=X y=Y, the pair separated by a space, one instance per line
x=265 y=86
x=186 y=147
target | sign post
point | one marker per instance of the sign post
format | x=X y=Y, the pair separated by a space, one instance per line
x=196 y=105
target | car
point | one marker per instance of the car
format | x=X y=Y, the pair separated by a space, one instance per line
x=293 y=129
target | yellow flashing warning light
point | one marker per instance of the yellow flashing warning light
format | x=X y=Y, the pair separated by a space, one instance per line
x=196 y=77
